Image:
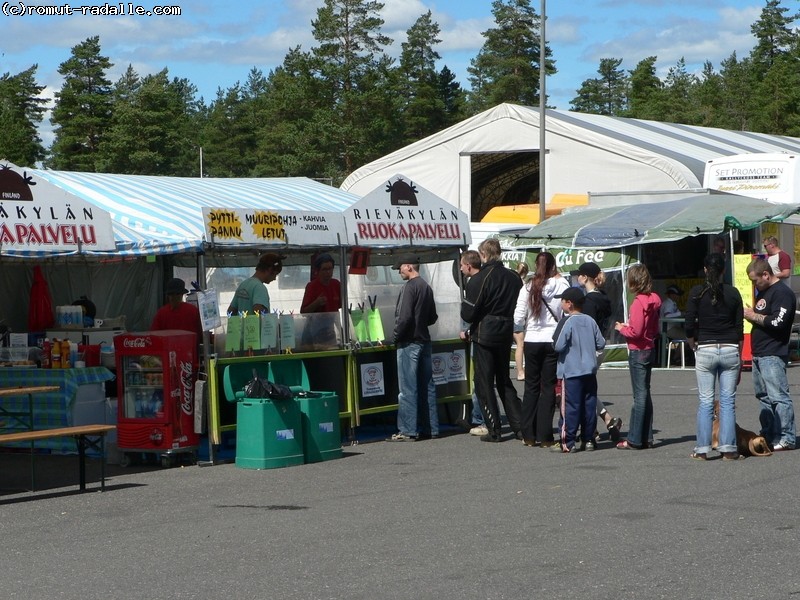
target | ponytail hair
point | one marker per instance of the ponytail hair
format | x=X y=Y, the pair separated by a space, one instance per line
x=545 y=268
x=714 y=264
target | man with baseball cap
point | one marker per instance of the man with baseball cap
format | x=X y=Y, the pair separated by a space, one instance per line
x=577 y=340
x=252 y=296
x=414 y=313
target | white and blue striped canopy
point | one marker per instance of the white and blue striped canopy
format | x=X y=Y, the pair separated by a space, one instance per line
x=163 y=215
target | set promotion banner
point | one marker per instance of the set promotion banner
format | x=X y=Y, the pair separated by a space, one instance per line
x=38 y=216
x=239 y=226
x=402 y=212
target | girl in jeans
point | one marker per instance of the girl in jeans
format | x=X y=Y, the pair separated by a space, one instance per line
x=640 y=332
x=715 y=330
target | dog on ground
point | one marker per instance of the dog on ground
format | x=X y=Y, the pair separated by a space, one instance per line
x=748 y=443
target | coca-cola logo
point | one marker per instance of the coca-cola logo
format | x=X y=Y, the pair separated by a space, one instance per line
x=157 y=436
x=186 y=385
x=138 y=342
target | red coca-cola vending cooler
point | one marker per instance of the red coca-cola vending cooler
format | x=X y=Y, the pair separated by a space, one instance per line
x=156 y=371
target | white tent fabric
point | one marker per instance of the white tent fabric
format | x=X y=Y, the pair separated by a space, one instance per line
x=586 y=153
x=163 y=215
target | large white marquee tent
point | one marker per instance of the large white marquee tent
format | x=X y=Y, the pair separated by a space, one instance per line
x=492 y=158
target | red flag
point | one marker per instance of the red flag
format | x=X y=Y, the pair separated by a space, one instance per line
x=40 y=308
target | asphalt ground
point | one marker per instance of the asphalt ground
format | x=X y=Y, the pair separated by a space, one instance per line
x=448 y=518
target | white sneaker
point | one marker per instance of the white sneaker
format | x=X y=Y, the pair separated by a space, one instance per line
x=479 y=430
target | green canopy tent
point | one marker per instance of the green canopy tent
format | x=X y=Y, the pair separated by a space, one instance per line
x=626 y=219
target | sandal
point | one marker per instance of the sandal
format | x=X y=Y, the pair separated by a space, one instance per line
x=624 y=445
x=731 y=456
x=401 y=437
x=698 y=456
x=614 y=426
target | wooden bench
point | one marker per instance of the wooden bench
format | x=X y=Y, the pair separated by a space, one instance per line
x=82 y=435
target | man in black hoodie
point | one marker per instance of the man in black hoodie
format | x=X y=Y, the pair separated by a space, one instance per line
x=491 y=297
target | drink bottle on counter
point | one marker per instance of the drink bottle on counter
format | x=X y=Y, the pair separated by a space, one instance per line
x=55 y=354
x=65 y=354
x=46 y=350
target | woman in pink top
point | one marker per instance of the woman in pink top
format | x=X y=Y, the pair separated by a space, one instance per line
x=641 y=332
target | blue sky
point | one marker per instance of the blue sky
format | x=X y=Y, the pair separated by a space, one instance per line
x=215 y=44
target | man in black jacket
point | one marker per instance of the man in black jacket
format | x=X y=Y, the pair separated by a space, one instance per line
x=491 y=297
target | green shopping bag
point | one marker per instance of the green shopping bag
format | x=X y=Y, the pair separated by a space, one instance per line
x=359 y=324
x=374 y=322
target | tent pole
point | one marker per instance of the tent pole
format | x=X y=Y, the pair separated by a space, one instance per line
x=344 y=298
x=201 y=281
x=542 y=111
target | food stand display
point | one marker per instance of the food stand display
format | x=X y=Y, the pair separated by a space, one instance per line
x=40 y=221
x=402 y=216
x=54 y=409
x=397 y=218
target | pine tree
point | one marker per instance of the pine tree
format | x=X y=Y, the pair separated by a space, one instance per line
x=21 y=112
x=153 y=130
x=453 y=96
x=707 y=94
x=737 y=100
x=645 y=91
x=427 y=101
x=291 y=120
x=777 y=97
x=605 y=95
x=506 y=68
x=82 y=111
x=774 y=35
x=678 y=86
x=354 y=68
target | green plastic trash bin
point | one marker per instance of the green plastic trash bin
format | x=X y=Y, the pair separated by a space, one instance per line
x=322 y=437
x=269 y=434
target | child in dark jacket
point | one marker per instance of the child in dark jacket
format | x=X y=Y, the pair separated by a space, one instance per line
x=577 y=340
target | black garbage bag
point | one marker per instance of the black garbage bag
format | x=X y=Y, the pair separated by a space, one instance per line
x=262 y=388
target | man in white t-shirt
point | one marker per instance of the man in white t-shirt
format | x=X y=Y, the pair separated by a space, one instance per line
x=779 y=260
x=670 y=310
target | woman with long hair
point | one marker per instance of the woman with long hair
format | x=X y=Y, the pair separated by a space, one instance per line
x=715 y=330
x=519 y=331
x=640 y=332
x=538 y=312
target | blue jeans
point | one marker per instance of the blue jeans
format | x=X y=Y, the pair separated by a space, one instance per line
x=580 y=409
x=477 y=415
x=640 y=365
x=712 y=363
x=417 y=411
x=772 y=390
